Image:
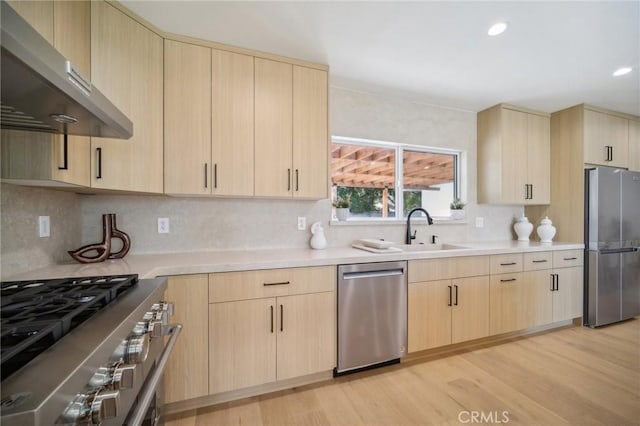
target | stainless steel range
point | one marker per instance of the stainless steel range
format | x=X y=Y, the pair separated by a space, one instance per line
x=84 y=351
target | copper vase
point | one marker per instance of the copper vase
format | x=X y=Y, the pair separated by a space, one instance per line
x=102 y=250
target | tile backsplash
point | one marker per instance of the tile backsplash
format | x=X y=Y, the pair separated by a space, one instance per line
x=21 y=247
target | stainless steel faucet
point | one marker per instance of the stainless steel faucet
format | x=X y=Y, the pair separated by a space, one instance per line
x=411 y=236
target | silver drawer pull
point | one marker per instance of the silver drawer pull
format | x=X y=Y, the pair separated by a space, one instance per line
x=508 y=264
x=278 y=283
x=570 y=258
x=540 y=261
x=506 y=281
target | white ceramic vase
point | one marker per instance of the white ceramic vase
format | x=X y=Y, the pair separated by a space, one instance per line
x=546 y=231
x=523 y=228
x=342 y=213
x=318 y=240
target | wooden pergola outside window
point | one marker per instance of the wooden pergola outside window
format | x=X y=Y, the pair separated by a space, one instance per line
x=366 y=166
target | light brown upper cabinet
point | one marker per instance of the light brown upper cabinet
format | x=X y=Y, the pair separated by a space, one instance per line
x=187 y=118
x=291 y=135
x=575 y=132
x=232 y=155
x=126 y=65
x=208 y=121
x=310 y=133
x=634 y=145
x=606 y=139
x=513 y=156
x=42 y=157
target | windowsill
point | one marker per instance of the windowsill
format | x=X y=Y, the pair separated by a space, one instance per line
x=393 y=222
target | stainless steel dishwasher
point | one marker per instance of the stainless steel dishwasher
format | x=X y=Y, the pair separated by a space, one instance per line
x=372 y=315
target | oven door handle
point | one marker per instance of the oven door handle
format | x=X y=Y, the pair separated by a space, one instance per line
x=149 y=389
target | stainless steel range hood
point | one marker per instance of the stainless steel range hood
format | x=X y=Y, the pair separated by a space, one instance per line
x=42 y=92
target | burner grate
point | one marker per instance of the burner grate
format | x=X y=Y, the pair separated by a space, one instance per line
x=36 y=314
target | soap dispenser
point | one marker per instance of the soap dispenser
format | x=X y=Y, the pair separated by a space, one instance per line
x=318 y=240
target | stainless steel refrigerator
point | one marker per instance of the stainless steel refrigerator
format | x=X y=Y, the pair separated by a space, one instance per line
x=612 y=234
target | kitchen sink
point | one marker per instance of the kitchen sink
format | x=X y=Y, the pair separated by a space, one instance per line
x=429 y=247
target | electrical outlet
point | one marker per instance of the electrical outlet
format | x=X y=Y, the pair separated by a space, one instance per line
x=302 y=223
x=163 y=225
x=479 y=222
x=44 y=226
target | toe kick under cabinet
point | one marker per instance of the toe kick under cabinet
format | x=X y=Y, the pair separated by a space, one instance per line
x=270 y=325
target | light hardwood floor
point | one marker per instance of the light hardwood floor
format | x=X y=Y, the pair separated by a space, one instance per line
x=570 y=376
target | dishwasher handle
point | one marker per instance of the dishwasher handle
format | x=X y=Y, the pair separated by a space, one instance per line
x=372 y=274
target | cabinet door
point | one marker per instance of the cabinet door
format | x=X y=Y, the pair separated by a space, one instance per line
x=232 y=123
x=306 y=330
x=39 y=14
x=508 y=303
x=538 y=159
x=186 y=374
x=514 y=156
x=310 y=128
x=126 y=65
x=429 y=314
x=634 y=145
x=273 y=128
x=567 y=300
x=470 y=311
x=242 y=344
x=606 y=139
x=539 y=305
x=187 y=114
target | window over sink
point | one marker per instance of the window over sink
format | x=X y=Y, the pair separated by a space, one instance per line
x=386 y=180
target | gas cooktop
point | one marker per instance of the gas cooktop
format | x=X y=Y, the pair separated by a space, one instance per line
x=36 y=314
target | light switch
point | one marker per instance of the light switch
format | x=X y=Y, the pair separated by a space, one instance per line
x=479 y=222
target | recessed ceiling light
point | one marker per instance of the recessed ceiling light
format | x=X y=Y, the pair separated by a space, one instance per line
x=497 y=29
x=621 y=71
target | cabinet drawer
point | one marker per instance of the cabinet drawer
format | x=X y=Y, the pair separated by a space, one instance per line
x=567 y=258
x=229 y=286
x=537 y=261
x=506 y=263
x=442 y=269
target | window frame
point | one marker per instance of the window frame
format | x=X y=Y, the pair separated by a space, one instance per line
x=399 y=149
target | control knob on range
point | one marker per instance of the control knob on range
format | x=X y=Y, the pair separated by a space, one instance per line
x=166 y=308
x=104 y=405
x=116 y=376
x=91 y=408
x=134 y=349
x=151 y=323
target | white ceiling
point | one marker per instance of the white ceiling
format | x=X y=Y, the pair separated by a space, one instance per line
x=552 y=56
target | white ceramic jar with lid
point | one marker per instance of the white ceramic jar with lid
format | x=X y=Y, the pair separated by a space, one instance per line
x=546 y=231
x=523 y=228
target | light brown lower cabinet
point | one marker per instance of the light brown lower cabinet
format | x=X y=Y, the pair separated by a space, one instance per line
x=447 y=311
x=543 y=294
x=510 y=303
x=265 y=339
x=186 y=375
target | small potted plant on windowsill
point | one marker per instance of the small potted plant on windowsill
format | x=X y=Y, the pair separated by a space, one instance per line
x=457 y=209
x=342 y=208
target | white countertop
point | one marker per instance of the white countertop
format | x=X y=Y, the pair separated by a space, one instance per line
x=153 y=265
